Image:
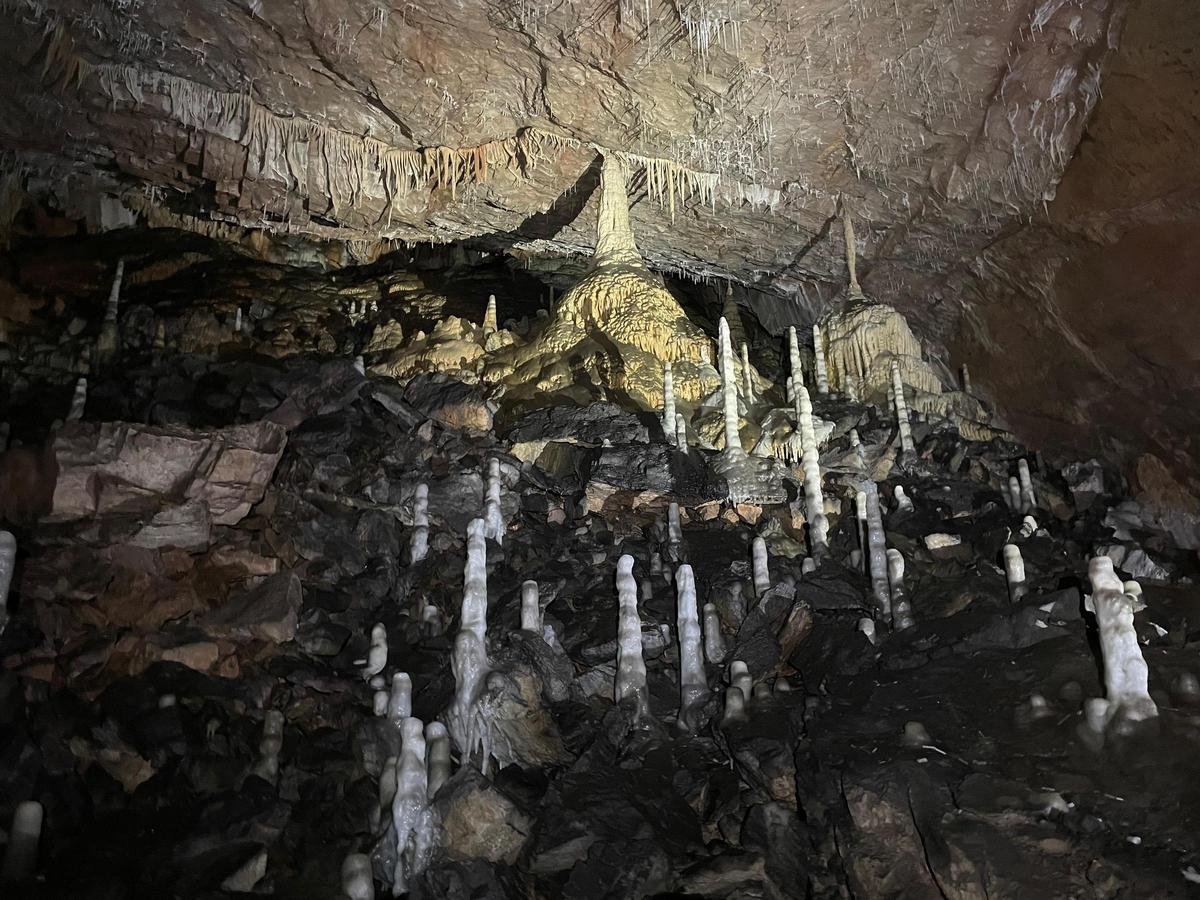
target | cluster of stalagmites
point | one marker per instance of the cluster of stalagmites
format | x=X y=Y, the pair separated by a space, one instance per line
x=863 y=354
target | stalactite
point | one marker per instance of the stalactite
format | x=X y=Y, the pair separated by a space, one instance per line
x=855 y=290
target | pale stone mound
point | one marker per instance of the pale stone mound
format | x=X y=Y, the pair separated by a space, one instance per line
x=616 y=328
x=861 y=340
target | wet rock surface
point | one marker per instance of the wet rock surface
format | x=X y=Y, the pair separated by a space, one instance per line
x=152 y=641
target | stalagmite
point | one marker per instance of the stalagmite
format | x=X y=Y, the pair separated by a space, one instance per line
x=850 y=386
x=739 y=677
x=492 y=514
x=877 y=554
x=631 y=667
x=819 y=362
x=674 y=530
x=377 y=654
x=469 y=660
x=906 y=438
x=860 y=510
x=490 y=324
x=360 y=365
x=1029 y=527
x=867 y=627
x=8 y=560
x=237 y=321
x=903 y=504
x=1014 y=493
x=399 y=705
x=965 y=374
x=357 y=881
x=21 y=854
x=733 y=441
x=795 y=369
x=681 y=433
x=1126 y=677
x=412 y=819
x=78 y=400
x=735 y=707
x=418 y=545
x=269 y=746
x=531 y=608
x=762 y=576
x=379 y=702
x=693 y=685
x=747 y=377
x=668 y=419
x=814 y=498
x=1028 y=499
x=1014 y=572
x=437 y=756
x=109 y=342
x=714 y=641
x=901 y=607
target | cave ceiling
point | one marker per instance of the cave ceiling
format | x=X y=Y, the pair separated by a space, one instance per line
x=938 y=124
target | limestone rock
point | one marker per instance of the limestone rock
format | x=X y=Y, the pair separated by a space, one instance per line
x=268 y=612
x=120 y=467
x=449 y=401
x=479 y=821
x=187 y=527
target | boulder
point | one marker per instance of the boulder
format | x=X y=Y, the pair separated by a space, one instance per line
x=479 y=821
x=268 y=612
x=450 y=402
x=114 y=468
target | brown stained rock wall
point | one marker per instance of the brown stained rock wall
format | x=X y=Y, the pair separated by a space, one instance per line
x=1082 y=326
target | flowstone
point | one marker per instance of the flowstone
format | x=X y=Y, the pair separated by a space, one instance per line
x=616 y=328
x=862 y=337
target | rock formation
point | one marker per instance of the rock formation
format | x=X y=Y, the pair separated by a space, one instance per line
x=619 y=324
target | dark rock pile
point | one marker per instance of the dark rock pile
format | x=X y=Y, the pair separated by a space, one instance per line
x=222 y=549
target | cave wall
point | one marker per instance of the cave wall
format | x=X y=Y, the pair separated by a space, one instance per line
x=1080 y=323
